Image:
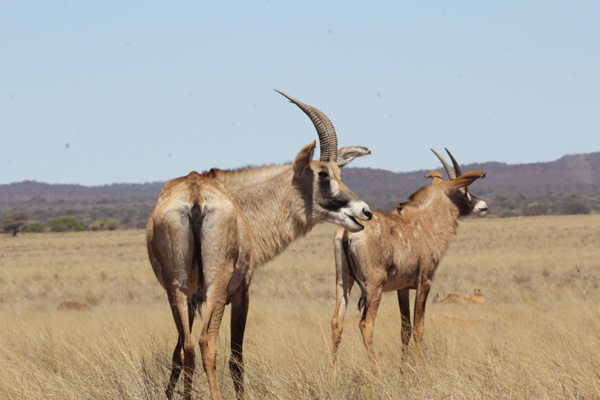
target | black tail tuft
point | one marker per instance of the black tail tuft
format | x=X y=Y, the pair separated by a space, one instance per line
x=196 y=224
x=362 y=302
x=363 y=291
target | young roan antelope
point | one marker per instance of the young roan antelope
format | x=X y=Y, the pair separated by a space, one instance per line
x=208 y=232
x=401 y=251
x=476 y=298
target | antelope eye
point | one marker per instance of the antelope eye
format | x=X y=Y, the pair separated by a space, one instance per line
x=323 y=175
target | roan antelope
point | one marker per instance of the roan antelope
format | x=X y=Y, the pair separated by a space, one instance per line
x=476 y=298
x=208 y=232
x=73 y=306
x=401 y=251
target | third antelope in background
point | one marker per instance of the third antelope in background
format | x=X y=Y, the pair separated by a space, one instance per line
x=401 y=251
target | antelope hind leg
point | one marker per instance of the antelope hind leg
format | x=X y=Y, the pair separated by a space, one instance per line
x=177 y=365
x=420 y=300
x=239 y=313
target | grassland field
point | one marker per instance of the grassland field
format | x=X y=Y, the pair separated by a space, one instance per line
x=536 y=337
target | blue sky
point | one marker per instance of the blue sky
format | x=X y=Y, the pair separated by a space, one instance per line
x=139 y=91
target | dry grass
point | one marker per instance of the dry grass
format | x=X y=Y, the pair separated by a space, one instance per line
x=537 y=335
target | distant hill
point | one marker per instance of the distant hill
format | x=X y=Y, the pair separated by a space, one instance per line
x=28 y=190
x=570 y=169
x=571 y=183
x=572 y=174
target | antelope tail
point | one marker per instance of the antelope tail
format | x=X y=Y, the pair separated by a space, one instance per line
x=363 y=291
x=196 y=224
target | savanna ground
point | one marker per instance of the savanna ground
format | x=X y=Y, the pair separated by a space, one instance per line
x=537 y=336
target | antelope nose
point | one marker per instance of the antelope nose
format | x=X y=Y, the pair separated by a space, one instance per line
x=368 y=214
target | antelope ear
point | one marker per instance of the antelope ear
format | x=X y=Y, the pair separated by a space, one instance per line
x=304 y=158
x=347 y=154
x=466 y=179
x=436 y=177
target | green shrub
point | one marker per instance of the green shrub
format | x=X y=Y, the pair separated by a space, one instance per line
x=103 y=226
x=35 y=227
x=66 y=224
x=575 y=207
x=535 y=209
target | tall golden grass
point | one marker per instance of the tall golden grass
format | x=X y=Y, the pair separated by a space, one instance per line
x=537 y=335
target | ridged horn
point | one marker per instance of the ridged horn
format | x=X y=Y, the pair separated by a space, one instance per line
x=456 y=166
x=333 y=142
x=316 y=117
x=451 y=174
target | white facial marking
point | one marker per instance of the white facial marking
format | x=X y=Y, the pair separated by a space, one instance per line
x=353 y=211
x=481 y=208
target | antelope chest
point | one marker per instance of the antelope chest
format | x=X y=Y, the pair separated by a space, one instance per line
x=398 y=278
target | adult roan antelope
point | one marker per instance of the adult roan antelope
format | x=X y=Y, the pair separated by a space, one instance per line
x=208 y=232
x=401 y=251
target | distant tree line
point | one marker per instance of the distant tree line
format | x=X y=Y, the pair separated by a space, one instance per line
x=544 y=205
x=19 y=222
x=64 y=216
x=39 y=215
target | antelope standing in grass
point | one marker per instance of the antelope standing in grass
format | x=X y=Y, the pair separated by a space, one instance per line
x=208 y=232
x=401 y=251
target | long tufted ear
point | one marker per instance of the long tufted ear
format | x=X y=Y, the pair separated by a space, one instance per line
x=466 y=179
x=347 y=154
x=304 y=158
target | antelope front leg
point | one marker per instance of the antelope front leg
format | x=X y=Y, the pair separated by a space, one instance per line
x=343 y=287
x=239 y=312
x=367 y=323
x=420 y=300
x=404 y=303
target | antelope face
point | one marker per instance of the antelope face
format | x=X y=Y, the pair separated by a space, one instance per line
x=472 y=204
x=330 y=199
x=465 y=201
x=480 y=207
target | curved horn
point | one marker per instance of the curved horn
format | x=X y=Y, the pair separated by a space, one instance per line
x=333 y=142
x=317 y=120
x=456 y=166
x=451 y=174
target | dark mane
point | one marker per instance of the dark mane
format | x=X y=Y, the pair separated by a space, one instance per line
x=217 y=171
x=410 y=201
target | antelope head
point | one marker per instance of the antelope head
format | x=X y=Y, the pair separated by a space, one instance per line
x=319 y=182
x=457 y=187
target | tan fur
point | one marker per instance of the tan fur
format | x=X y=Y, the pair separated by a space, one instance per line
x=398 y=252
x=73 y=306
x=248 y=217
x=454 y=298
x=476 y=298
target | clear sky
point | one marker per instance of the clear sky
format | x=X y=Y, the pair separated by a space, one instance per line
x=139 y=91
